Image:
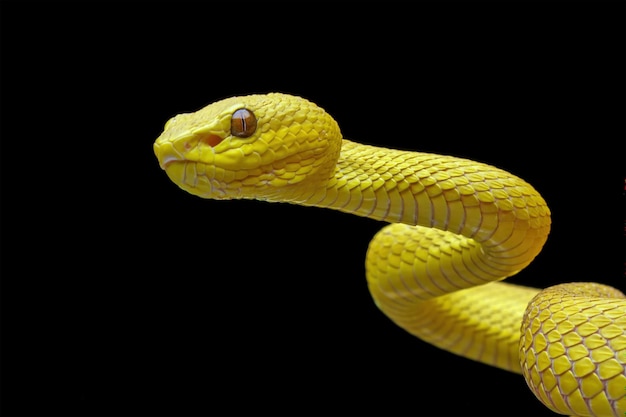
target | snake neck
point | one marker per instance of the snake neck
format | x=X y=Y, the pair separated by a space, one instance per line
x=478 y=201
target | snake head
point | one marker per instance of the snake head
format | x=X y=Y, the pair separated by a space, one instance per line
x=257 y=146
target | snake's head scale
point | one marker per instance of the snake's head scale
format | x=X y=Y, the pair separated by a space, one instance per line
x=257 y=146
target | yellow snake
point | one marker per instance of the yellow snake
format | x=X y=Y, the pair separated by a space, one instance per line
x=457 y=228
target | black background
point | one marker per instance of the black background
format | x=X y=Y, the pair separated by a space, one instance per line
x=122 y=294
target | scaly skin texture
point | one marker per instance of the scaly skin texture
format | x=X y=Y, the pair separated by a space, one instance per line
x=457 y=227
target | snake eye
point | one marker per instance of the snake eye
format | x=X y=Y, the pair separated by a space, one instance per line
x=242 y=123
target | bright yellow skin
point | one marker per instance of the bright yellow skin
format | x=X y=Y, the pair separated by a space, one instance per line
x=457 y=227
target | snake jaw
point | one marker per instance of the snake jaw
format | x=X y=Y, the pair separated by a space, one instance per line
x=166 y=154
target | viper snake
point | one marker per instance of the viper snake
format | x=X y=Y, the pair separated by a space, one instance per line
x=456 y=229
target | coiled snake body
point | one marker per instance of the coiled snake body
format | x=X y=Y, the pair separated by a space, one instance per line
x=457 y=228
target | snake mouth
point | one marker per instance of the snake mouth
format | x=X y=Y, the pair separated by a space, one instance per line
x=166 y=154
x=194 y=148
x=191 y=177
x=167 y=160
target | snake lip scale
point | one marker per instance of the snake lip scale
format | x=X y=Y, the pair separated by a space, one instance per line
x=456 y=228
x=170 y=159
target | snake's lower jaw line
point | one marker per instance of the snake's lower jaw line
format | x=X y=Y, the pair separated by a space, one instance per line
x=166 y=154
x=181 y=173
x=167 y=160
x=175 y=170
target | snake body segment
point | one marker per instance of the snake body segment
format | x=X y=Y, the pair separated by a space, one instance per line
x=457 y=228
